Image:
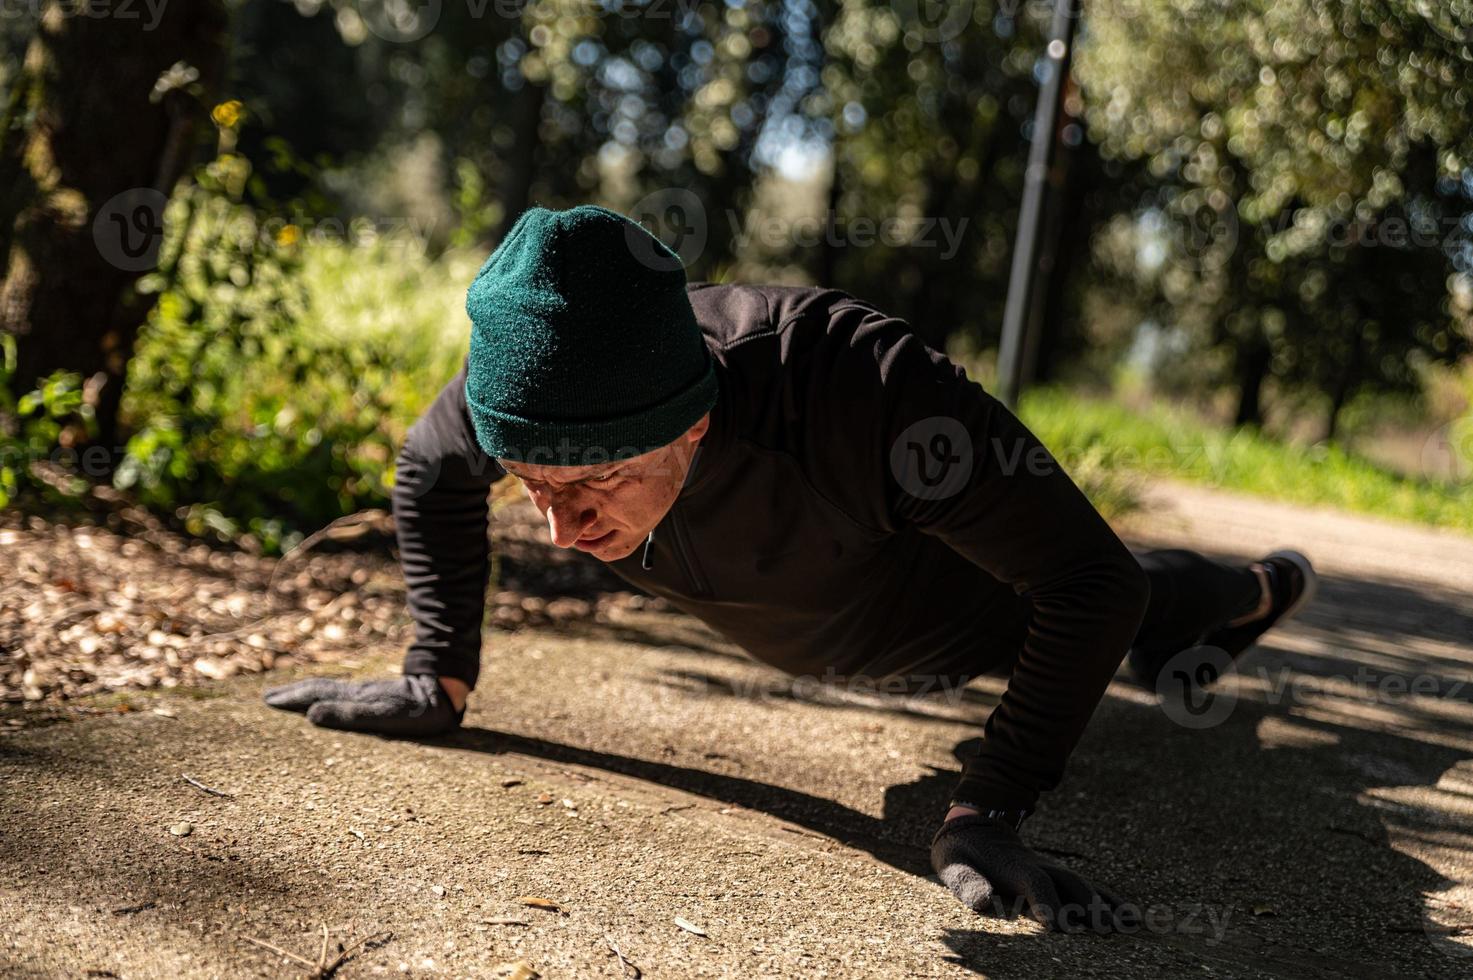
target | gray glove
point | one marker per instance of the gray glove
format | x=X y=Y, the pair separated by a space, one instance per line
x=985 y=863
x=415 y=704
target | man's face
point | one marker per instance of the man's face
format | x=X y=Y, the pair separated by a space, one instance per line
x=609 y=510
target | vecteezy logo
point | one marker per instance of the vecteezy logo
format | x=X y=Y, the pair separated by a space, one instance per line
x=1448 y=453
x=399 y=21
x=676 y=217
x=932 y=458
x=1205 y=233
x=1197 y=688
x=129 y=229
x=934 y=21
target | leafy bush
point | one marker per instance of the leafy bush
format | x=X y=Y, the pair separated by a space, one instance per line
x=33 y=426
x=280 y=369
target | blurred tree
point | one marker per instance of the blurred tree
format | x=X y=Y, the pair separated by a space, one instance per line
x=647 y=105
x=932 y=108
x=1303 y=177
x=97 y=127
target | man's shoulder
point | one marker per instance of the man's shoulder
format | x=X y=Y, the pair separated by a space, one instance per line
x=731 y=314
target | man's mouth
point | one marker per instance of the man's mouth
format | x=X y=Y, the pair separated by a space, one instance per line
x=588 y=544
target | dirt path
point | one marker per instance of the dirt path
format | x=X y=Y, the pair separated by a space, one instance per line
x=638 y=769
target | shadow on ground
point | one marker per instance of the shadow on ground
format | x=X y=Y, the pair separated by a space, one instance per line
x=1277 y=826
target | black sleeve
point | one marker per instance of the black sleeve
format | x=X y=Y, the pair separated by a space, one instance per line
x=441 y=517
x=928 y=447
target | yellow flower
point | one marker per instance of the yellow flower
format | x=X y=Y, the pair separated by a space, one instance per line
x=227 y=114
x=288 y=235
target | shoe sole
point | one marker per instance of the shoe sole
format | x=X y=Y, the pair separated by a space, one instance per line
x=1311 y=582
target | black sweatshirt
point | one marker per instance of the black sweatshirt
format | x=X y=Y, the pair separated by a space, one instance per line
x=859 y=511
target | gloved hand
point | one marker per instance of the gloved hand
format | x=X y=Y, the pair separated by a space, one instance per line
x=415 y=704
x=985 y=863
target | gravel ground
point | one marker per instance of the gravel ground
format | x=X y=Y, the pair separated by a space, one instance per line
x=630 y=769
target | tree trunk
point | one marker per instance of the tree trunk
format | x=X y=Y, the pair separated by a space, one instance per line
x=1344 y=386
x=1252 y=368
x=98 y=151
x=515 y=192
x=828 y=250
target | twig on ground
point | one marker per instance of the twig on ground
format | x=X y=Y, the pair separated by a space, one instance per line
x=344 y=527
x=208 y=789
x=322 y=968
x=375 y=940
x=64 y=620
x=131 y=909
x=279 y=951
x=635 y=972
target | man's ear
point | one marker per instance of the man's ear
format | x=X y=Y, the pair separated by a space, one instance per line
x=695 y=432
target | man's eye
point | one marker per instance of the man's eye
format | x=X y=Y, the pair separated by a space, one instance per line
x=606 y=480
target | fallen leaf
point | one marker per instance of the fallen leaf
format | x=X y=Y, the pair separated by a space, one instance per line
x=515 y=970
x=181 y=829
x=164 y=713
x=689 y=926
x=537 y=902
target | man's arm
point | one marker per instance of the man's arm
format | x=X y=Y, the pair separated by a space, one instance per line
x=940 y=454
x=954 y=462
x=441 y=516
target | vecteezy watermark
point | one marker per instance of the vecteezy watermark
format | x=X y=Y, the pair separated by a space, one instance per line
x=1196 y=687
x=932 y=459
x=935 y=21
x=1129 y=918
x=673 y=686
x=93 y=462
x=399 y=21
x=129 y=229
x=1198 y=234
x=146 y=13
x=1200 y=687
x=679 y=219
x=860 y=231
x=405 y=21
x=1450 y=932
x=675 y=217
x=1448 y=453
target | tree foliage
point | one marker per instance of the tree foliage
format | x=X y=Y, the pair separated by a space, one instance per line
x=1302 y=176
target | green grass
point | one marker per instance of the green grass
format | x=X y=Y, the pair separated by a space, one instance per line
x=1108 y=444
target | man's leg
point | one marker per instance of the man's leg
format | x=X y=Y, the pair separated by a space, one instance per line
x=1190 y=595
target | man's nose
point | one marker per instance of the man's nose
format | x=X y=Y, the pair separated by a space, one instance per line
x=567 y=519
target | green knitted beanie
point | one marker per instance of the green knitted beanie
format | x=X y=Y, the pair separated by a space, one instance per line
x=584 y=347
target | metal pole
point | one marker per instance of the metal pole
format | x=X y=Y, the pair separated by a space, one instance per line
x=1011 y=360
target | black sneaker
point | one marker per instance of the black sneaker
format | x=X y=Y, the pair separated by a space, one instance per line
x=1291 y=583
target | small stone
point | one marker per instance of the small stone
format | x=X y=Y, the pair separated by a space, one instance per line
x=511 y=781
x=439 y=890
x=181 y=829
x=214 y=669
